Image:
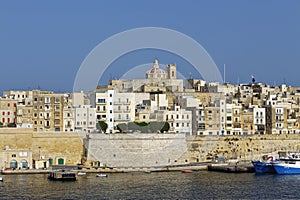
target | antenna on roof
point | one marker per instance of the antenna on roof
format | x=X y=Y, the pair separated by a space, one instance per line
x=224 y=80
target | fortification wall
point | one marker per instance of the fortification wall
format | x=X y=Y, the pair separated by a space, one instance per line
x=140 y=150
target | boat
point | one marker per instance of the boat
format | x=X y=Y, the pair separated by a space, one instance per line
x=187 y=171
x=81 y=174
x=289 y=163
x=1 y=179
x=102 y=175
x=62 y=175
x=266 y=165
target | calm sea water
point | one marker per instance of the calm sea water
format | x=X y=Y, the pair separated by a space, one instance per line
x=171 y=185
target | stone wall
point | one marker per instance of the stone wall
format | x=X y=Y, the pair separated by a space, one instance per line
x=240 y=147
x=143 y=150
x=138 y=150
x=45 y=145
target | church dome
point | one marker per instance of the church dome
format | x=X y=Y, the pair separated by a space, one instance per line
x=155 y=71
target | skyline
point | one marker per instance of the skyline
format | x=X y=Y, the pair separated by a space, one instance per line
x=44 y=44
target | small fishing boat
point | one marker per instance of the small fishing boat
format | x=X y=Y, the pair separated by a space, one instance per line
x=81 y=174
x=187 y=171
x=1 y=179
x=102 y=175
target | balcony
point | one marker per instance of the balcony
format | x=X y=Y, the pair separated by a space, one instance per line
x=122 y=102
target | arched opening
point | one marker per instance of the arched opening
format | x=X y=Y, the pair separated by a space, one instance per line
x=24 y=164
x=50 y=161
x=13 y=164
x=61 y=161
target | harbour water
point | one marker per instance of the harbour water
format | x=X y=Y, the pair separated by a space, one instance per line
x=163 y=185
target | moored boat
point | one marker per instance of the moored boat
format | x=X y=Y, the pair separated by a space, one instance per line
x=81 y=174
x=1 y=179
x=288 y=164
x=266 y=165
x=102 y=175
x=263 y=167
x=187 y=171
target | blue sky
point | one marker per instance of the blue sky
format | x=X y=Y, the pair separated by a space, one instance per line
x=43 y=43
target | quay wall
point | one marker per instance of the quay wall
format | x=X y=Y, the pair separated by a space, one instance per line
x=142 y=150
x=175 y=149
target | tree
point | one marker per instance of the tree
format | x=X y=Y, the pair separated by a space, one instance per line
x=165 y=128
x=102 y=126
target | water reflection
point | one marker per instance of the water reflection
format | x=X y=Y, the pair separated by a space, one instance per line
x=172 y=185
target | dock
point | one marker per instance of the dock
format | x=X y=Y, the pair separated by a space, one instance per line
x=231 y=168
x=62 y=175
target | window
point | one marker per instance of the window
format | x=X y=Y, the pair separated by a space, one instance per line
x=13 y=155
x=110 y=95
x=110 y=111
x=177 y=124
x=182 y=124
x=127 y=116
x=8 y=105
x=101 y=100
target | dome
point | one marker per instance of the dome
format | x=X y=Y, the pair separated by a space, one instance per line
x=155 y=71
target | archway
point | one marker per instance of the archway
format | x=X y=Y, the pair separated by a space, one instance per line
x=24 y=164
x=13 y=164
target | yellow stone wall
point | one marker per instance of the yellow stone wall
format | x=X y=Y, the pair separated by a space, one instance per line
x=68 y=146
x=240 y=147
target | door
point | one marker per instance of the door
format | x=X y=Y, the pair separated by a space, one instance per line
x=60 y=161
x=13 y=164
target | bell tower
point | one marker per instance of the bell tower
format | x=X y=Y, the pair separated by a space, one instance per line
x=171 y=71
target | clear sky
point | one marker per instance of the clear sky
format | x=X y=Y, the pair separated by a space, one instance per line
x=43 y=43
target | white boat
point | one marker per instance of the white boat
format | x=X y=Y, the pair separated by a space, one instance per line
x=101 y=175
x=1 y=179
x=81 y=174
x=288 y=164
